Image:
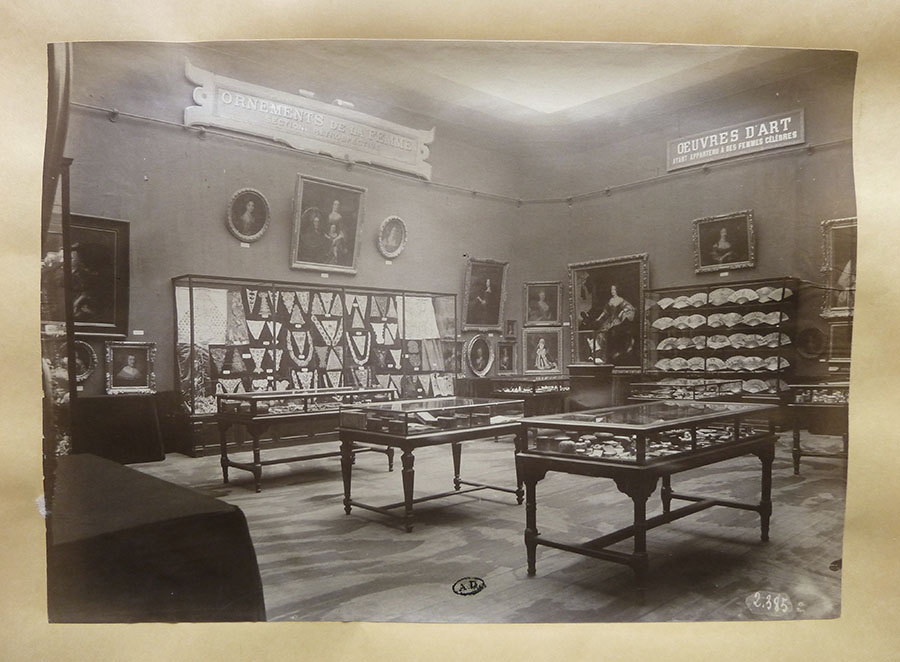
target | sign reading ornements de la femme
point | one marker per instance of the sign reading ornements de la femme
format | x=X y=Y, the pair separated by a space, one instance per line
x=736 y=140
x=306 y=124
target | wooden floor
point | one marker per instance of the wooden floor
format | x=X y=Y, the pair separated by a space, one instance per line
x=319 y=564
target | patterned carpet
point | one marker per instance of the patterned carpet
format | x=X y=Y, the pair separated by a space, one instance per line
x=319 y=564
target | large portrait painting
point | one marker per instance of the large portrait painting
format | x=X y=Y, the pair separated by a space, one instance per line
x=839 y=267
x=725 y=242
x=100 y=276
x=542 y=351
x=605 y=303
x=485 y=295
x=327 y=221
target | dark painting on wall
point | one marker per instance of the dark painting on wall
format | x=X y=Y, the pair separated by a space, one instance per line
x=100 y=275
x=327 y=220
x=605 y=302
x=542 y=303
x=839 y=266
x=485 y=295
x=724 y=242
x=129 y=367
x=248 y=215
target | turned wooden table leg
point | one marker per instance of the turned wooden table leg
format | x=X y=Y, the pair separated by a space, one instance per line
x=223 y=451
x=796 y=452
x=346 y=471
x=766 y=457
x=531 y=531
x=456 y=449
x=408 y=460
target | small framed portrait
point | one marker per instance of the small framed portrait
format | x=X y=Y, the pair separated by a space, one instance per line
x=839 y=267
x=485 y=295
x=327 y=221
x=512 y=329
x=100 y=276
x=480 y=355
x=542 y=351
x=129 y=367
x=605 y=303
x=839 y=341
x=542 y=301
x=85 y=361
x=248 y=215
x=392 y=237
x=725 y=242
x=506 y=358
x=452 y=351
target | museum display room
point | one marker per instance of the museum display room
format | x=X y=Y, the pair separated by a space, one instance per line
x=283 y=282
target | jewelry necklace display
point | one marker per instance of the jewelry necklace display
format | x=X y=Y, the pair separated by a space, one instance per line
x=331 y=330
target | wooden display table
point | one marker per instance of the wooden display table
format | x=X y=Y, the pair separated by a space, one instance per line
x=809 y=400
x=413 y=424
x=635 y=446
x=258 y=412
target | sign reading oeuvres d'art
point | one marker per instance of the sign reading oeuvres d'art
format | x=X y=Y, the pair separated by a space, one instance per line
x=736 y=140
x=305 y=123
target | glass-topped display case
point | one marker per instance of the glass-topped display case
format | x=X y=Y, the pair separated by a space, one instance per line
x=685 y=388
x=644 y=433
x=407 y=418
x=278 y=403
x=740 y=330
x=529 y=385
x=825 y=393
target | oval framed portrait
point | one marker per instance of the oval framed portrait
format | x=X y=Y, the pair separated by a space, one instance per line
x=248 y=215
x=392 y=237
x=480 y=355
x=85 y=360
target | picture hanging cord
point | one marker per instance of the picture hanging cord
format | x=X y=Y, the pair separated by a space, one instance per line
x=204 y=132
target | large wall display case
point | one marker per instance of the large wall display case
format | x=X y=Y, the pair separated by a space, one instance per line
x=636 y=445
x=247 y=336
x=413 y=424
x=743 y=330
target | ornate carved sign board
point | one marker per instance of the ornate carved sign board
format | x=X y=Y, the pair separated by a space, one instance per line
x=736 y=140
x=305 y=124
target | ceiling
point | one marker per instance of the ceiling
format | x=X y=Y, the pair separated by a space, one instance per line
x=505 y=90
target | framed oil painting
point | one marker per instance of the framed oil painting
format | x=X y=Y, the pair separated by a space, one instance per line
x=85 y=360
x=723 y=243
x=480 y=355
x=100 y=276
x=248 y=215
x=506 y=358
x=542 y=303
x=327 y=221
x=512 y=329
x=839 y=267
x=542 y=351
x=129 y=367
x=485 y=295
x=605 y=303
x=392 y=237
